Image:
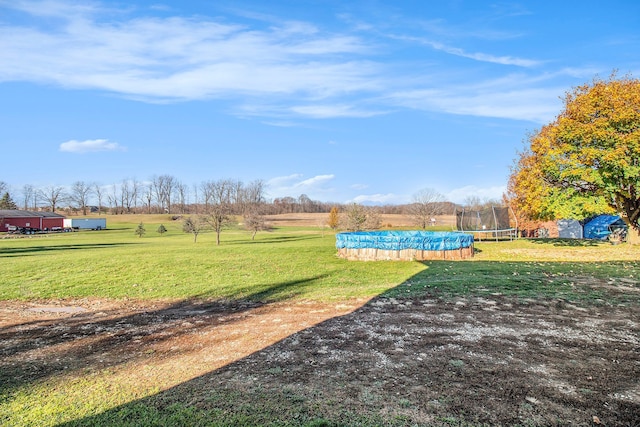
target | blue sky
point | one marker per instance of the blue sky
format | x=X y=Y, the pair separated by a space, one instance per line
x=366 y=101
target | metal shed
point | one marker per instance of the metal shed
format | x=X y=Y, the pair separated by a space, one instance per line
x=570 y=229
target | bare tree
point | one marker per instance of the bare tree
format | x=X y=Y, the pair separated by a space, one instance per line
x=357 y=217
x=473 y=203
x=354 y=218
x=29 y=196
x=220 y=208
x=254 y=220
x=114 y=198
x=194 y=226
x=53 y=195
x=99 y=192
x=425 y=205
x=163 y=188
x=374 y=221
x=182 y=191
x=285 y=204
x=129 y=193
x=80 y=192
x=196 y=200
x=305 y=203
x=206 y=189
x=148 y=196
x=237 y=196
x=254 y=193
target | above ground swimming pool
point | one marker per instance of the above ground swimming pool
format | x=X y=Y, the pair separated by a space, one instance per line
x=404 y=245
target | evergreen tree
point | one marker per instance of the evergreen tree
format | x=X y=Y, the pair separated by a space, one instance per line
x=140 y=230
x=162 y=229
x=6 y=202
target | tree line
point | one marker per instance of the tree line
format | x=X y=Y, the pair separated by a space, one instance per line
x=160 y=194
x=213 y=205
x=167 y=194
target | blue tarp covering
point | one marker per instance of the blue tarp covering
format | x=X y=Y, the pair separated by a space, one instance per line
x=600 y=226
x=400 y=240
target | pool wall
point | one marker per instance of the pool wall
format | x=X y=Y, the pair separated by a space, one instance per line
x=404 y=245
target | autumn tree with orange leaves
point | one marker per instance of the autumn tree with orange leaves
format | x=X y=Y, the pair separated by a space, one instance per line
x=587 y=161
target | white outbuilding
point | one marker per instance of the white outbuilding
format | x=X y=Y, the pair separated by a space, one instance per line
x=85 y=223
x=570 y=229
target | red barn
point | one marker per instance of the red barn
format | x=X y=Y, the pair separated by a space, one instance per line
x=29 y=219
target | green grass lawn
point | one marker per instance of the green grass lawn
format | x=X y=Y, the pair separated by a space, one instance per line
x=115 y=263
x=292 y=263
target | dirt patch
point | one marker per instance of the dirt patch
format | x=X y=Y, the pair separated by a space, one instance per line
x=489 y=360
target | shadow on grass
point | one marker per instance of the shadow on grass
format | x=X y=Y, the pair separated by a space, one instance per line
x=277 y=239
x=103 y=338
x=570 y=242
x=34 y=250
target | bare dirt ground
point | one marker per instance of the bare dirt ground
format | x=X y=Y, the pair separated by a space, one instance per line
x=493 y=361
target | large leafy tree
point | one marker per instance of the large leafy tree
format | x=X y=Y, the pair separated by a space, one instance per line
x=588 y=160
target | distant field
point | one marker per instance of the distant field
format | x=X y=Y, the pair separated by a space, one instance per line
x=388 y=220
x=108 y=328
x=284 y=220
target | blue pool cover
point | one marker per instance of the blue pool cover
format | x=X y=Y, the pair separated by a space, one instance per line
x=400 y=240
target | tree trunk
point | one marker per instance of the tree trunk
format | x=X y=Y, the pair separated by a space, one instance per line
x=633 y=233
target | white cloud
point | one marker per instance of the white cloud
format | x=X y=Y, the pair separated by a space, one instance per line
x=316 y=180
x=179 y=58
x=513 y=97
x=50 y=8
x=293 y=185
x=459 y=195
x=477 y=56
x=280 y=181
x=90 y=145
x=379 y=199
x=333 y=110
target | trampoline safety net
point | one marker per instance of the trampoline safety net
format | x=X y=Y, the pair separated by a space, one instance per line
x=490 y=219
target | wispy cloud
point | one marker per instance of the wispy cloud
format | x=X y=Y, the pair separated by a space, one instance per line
x=179 y=58
x=90 y=145
x=477 y=56
x=334 y=110
x=515 y=97
x=281 y=72
x=316 y=180
x=294 y=185
x=379 y=199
